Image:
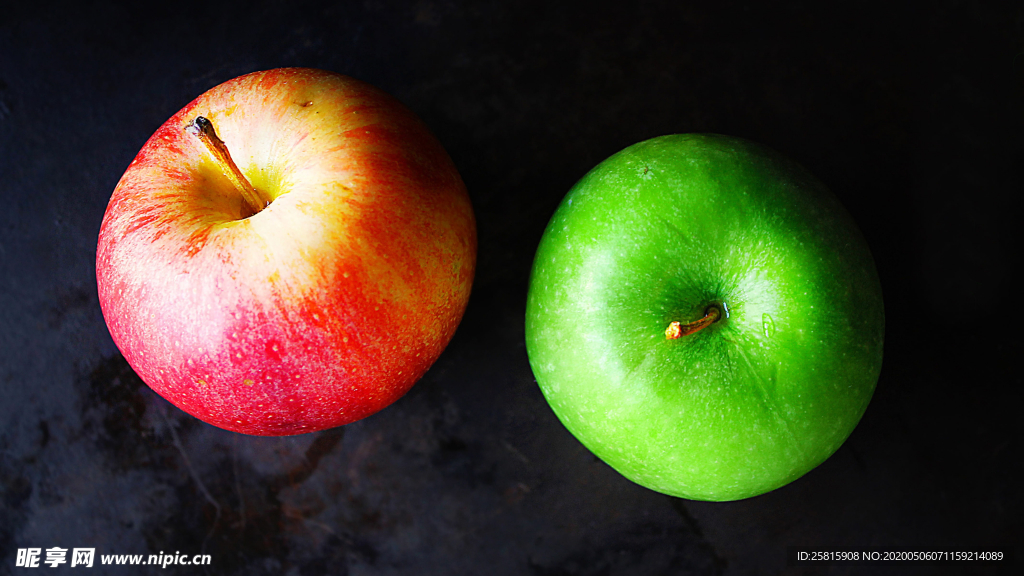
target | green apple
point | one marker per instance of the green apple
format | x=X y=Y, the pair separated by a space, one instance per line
x=705 y=317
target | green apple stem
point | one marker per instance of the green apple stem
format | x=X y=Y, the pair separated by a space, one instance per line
x=202 y=129
x=676 y=330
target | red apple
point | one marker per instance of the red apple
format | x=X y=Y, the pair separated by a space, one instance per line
x=294 y=262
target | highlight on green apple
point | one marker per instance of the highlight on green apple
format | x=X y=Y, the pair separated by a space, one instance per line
x=705 y=317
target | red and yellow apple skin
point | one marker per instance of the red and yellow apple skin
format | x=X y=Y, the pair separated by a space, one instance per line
x=324 y=307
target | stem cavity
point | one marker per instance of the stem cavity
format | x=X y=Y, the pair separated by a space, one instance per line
x=676 y=330
x=202 y=129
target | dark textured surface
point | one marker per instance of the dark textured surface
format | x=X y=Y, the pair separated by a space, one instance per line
x=913 y=118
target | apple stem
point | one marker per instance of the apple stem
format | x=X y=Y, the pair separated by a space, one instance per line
x=202 y=129
x=676 y=330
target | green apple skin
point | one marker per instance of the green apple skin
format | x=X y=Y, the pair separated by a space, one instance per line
x=658 y=233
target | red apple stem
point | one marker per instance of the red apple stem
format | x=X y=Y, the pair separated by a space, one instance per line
x=676 y=330
x=202 y=129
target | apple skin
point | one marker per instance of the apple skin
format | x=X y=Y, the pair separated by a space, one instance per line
x=323 y=308
x=658 y=233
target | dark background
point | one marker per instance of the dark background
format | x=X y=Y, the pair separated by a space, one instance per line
x=913 y=117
